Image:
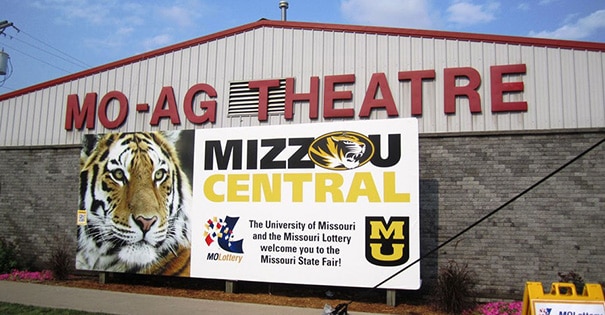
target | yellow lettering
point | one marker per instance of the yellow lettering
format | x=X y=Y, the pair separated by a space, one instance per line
x=328 y=183
x=390 y=194
x=396 y=255
x=209 y=188
x=363 y=185
x=234 y=187
x=262 y=187
x=297 y=181
x=378 y=228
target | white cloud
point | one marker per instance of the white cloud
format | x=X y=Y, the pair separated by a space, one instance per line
x=157 y=41
x=177 y=15
x=398 y=13
x=466 y=13
x=576 y=30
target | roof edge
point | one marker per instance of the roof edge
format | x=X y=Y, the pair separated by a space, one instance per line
x=530 y=41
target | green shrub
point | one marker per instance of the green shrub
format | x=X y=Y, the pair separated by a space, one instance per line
x=455 y=291
x=9 y=256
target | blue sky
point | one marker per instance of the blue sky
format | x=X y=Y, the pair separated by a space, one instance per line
x=60 y=37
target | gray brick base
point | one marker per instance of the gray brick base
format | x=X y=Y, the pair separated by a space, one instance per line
x=557 y=227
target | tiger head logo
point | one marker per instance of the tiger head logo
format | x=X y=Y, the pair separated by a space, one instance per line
x=341 y=150
x=137 y=199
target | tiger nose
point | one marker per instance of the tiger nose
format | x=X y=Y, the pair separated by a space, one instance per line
x=145 y=223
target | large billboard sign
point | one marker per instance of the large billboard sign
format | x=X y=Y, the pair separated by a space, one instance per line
x=326 y=204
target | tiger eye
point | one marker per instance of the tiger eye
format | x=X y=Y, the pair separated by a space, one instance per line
x=118 y=174
x=159 y=175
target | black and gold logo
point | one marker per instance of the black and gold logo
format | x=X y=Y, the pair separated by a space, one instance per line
x=387 y=243
x=341 y=150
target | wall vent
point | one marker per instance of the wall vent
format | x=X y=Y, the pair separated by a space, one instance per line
x=243 y=101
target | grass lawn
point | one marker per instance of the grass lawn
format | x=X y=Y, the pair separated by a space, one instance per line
x=10 y=308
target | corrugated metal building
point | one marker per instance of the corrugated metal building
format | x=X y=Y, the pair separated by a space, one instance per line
x=496 y=114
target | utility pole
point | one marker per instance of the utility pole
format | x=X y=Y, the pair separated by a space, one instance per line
x=3 y=55
x=5 y=24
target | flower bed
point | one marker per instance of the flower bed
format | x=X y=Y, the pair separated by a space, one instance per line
x=20 y=275
x=497 y=308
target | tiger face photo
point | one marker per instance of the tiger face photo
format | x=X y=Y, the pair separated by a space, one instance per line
x=137 y=198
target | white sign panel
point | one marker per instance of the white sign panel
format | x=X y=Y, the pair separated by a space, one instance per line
x=568 y=308
x=325 y=204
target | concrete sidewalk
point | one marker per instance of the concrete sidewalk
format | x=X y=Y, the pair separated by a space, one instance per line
x=128 y=303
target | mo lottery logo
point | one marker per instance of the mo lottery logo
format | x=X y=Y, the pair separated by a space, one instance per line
x=221 y=231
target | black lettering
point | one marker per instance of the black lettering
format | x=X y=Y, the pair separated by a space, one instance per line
x=277 y=146
x=252 y=157
x=296 y=160
x=394 y=152
x=214 y=149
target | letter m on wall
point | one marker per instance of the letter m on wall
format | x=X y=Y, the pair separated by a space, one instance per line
x=387 y=243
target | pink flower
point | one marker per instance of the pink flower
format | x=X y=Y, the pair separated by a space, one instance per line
x=497 y=308
x=19 y=275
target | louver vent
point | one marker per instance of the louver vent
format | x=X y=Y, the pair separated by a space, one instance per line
x=244 y=101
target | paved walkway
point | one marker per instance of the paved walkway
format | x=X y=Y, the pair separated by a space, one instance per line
x=128 y=303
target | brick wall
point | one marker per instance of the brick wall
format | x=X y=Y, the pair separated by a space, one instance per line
x=557 y=227
x=38 y=200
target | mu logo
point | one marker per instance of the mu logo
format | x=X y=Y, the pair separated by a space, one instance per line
x=387 y=243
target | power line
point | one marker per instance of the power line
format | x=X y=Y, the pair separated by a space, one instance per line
x=530 y=188
x=82 y=63
x=79 y=65
x=38 y=59
x=485 y=217
x=61 y=54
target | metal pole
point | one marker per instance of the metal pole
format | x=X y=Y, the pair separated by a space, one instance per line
x=283 y=5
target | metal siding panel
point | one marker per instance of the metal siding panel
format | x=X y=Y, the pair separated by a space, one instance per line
x=582 y=89
x=9 y=119
x=502 y=119
x=133 y=81
x=176 y=81
x=4 y=121
x=21 y=117
x=44 y=118
x=440 y=63
x=276 y=62
x=38 y=120
x=383 y=59
x=144 y=92
x=30 y=113
x=542 y=99
x=361 y=72
x=303 y=58
x=331 y=52
x=563 y=87
x=465 y=117
x=596 y=81
x=13 y=123
x=555 y=88
x=317 y=54
x=476 y=57
x=57 y=102
x=530 y=121
x=517 y=120
x=568 y=93
x=431 y=95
